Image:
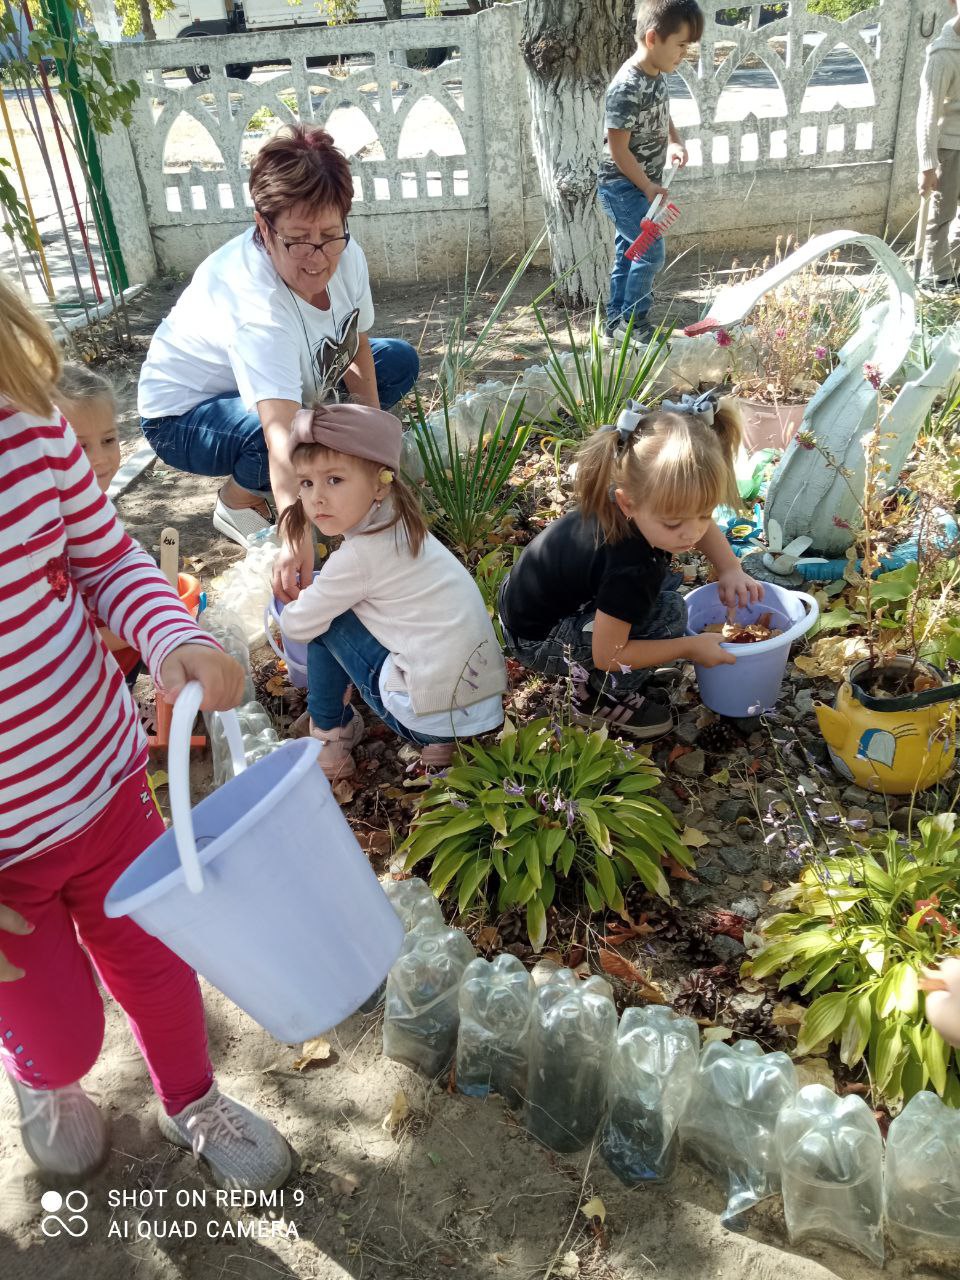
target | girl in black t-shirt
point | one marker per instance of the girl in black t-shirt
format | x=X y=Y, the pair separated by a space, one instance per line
x=587 y=595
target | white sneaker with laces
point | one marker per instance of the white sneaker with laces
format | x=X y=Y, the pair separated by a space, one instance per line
x=242 y=1150
x=63 y=1130
x=239 y=524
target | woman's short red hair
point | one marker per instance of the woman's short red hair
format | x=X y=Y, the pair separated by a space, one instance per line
x=300 y=165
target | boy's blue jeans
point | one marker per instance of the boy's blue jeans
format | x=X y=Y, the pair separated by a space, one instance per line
x=631 y=283
x=346 y=654
x=221 y=438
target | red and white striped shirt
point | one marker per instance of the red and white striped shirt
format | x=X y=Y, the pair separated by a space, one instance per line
x=69 y=731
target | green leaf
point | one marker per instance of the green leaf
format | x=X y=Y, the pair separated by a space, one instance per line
x=493 y=813
x=594 y=901
x=936 y=1058
x=897 y=990
x=856 y=1030
x=887 y=1056
x=605 y=874
x=536 y=923
x=565 y=856
x=822 y=1019
x=470 y=881
x=550 y=841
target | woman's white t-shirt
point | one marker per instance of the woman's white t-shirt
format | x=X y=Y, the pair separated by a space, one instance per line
x=237 y=329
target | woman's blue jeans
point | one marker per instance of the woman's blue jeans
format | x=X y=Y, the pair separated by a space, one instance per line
x=221 y=437
x=347 y=654
x=631 y=283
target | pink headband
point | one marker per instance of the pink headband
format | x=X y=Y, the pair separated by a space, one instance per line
x=354 y=429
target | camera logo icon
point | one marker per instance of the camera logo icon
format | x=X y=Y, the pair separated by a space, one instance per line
x=73 y=1206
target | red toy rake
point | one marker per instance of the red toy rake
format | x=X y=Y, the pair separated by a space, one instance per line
x=660 y=218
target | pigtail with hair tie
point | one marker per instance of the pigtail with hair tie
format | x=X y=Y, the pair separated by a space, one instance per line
x=628 y=425
x=703 y=406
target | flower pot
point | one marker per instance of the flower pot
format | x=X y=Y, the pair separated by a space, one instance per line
x=892 y=745
x=769 y=426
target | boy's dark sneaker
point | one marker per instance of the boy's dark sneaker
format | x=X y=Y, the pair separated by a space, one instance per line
x=641 y=335
x=635 y=714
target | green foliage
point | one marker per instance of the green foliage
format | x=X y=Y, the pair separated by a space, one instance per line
x=130 y=13
x=840 y=9
x=489 y=572
x=465 y=496
x=510 y=821
x=863 y=925
x=602 y=381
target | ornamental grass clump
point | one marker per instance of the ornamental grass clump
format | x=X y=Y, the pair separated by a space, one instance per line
x=863 y=926
x=545 y=804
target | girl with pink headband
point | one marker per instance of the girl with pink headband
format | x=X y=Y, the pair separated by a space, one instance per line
x=392 y=613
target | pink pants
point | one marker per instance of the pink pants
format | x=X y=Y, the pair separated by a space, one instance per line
x=51 y=1020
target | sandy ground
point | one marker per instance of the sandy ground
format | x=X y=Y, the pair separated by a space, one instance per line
x=458 y=1190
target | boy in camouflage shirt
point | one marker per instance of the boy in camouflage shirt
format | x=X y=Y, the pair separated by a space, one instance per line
x=639 y=137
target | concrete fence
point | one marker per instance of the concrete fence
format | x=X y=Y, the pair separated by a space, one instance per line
x=443 y=169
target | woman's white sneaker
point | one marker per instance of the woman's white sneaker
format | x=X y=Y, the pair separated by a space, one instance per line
x=239 y=524
x=242 y=1150
x=63 y=1130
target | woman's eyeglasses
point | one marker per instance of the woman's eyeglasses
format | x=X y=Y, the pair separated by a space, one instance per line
x=303 y=250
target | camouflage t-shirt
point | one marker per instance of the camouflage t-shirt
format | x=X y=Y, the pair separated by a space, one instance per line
x=640 y=103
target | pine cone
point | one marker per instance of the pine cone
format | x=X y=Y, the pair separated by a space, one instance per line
x=699 y=997
x=512 y=928
x=635 y=899
x=719 y=737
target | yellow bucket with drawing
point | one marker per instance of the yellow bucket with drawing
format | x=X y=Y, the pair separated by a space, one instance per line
x=892 y=743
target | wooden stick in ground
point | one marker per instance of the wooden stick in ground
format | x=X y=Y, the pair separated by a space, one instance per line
x=170 y=555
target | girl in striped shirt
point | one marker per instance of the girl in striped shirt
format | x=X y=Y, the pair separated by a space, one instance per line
x=75 y=807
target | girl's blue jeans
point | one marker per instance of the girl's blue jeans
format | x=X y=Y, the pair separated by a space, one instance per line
x=631 y=283
x=347 y=654
x=220 y=437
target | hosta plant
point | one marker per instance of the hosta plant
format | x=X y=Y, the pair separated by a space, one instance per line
x=547 y=802
x=861 y=928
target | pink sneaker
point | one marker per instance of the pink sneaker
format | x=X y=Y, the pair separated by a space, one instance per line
x=437 y=755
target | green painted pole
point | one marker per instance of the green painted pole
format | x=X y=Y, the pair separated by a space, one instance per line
x=62 y=19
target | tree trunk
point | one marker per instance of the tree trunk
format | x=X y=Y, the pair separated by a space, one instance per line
x=572 y=48
x=393 y=8
x=146 y=20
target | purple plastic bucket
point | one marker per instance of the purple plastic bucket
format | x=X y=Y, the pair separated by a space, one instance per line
x=292 y=653
x=752 y=684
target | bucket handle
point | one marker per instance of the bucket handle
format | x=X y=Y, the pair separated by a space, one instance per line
x=178 y=766
x=269 y=617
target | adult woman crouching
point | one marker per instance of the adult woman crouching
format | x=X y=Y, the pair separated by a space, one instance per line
x=276 y=319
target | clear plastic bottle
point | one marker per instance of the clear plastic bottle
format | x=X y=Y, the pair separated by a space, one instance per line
x=414 y=902
x=922 y=1177
x=421 y=1014
x=227 y=629
x=831 y=1163
x=572 y=1035
x=496 y=1000
x=731 y=1116
x=256 y=730
x=654 y=1064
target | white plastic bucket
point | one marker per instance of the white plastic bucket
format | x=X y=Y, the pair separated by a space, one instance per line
x=280 y=908
x=293 y=654
x=752 y=684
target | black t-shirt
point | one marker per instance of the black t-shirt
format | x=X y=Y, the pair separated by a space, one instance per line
x=569 y=568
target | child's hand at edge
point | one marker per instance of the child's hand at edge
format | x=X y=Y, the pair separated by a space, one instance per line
x=221 y=676
x=928 y=182
x=942 y=1003
x=677 y=154
x=11 y=922
x=705 y=650
x=738 y=588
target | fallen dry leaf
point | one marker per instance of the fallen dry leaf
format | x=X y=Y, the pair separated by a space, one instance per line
x=716 y=1033
x=488 y=938
x=317 y=1050
x=766 y=886
x=678 y=751
x=677 y=870
x=398 y=1112
x=619 y=933
x=343 y=790
x=619 y=966
x=787 y=1013
x=594 y=1208
x=693 y=838
x=345 y=1186
x=814 y=1071
x=569 y=1268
